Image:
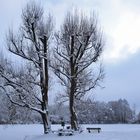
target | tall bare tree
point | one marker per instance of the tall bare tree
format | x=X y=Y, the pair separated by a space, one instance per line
x=28 y=87
x=79 y=45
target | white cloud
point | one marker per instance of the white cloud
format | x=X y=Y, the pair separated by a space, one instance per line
x=126 y=37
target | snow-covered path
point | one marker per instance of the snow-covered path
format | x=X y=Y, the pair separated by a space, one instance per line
x=35 y=132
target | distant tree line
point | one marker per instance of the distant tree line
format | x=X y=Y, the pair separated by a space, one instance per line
x=88 y=112
x=101 y=112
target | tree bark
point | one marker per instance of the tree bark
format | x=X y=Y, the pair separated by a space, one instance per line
x=44 y=81
x=73 y=118
x=45 y=120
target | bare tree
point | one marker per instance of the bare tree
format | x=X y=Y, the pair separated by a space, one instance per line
x=79 y=45
x=28 y=87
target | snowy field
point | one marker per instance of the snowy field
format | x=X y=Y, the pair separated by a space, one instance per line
x=35 y=132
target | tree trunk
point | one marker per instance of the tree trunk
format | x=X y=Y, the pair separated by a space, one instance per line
x=44 y=81
x=73 y=118
x=46 y=123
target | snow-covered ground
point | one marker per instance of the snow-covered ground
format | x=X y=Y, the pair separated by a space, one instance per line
x=35 y=132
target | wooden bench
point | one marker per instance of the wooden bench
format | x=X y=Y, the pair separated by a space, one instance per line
x=90 y=129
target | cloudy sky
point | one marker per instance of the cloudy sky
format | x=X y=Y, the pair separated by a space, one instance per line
x=120 y=22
